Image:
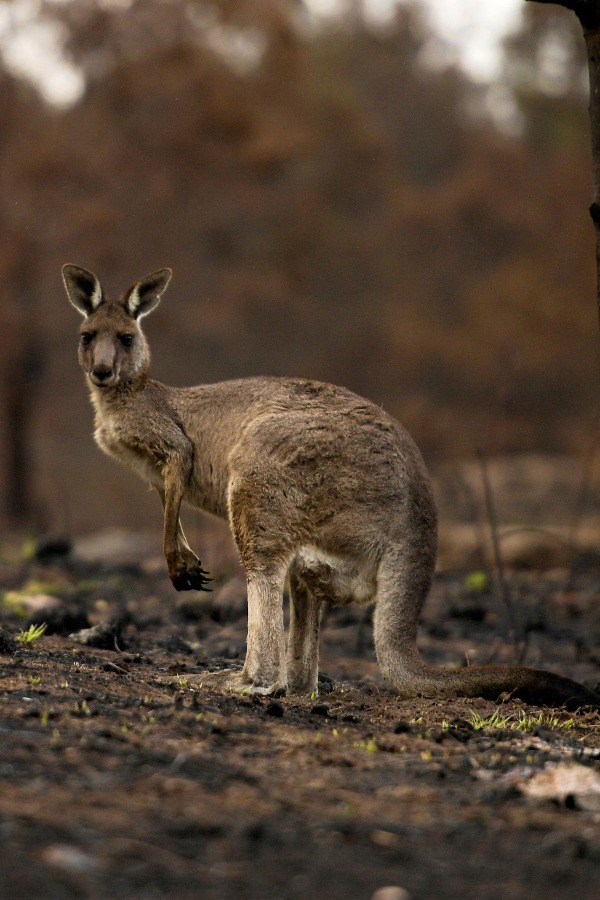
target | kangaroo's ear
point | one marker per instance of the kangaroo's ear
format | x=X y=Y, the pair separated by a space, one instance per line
x=83 y=289
x=145 y=295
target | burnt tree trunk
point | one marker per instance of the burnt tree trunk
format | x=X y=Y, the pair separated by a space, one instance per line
x=588 y=13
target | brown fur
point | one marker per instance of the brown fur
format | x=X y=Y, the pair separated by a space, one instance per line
x=318 y=485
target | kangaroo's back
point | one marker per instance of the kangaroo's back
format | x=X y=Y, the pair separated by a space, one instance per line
x=321 y=442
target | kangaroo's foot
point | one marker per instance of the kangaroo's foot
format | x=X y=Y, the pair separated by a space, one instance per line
x=302 y=682
x=240 y=683
x=188 y=575
x=307 y=685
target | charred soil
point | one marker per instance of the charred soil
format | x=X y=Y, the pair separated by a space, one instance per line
x=122 y=775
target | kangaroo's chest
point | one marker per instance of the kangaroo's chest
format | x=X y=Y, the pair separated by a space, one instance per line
x=131 y=450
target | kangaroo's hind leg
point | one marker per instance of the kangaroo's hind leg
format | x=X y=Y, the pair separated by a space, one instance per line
x=317 y=578
x=303 y=637
x=264 y=668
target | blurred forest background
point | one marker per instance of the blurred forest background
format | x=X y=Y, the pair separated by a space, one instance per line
x=335 y=202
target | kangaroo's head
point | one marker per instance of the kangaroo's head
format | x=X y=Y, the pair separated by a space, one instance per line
x=112 y=348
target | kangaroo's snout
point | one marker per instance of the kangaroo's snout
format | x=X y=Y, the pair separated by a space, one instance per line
x=102 y=358
x=101 y=375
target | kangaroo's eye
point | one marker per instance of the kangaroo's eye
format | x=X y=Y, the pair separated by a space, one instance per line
x=126 y=339
x=86 y=338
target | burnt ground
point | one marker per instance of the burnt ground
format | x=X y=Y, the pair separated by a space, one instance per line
x=122 y=776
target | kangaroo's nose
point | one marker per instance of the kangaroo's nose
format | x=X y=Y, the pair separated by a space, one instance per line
x=102 y=373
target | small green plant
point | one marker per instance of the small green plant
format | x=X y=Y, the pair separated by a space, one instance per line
x=183 y=682
x=28 y=550
x=369 y=746
x=524 y=722
x=34 y=679
x=81 y=709
x=494 y=721
x=16 y=602
x=33 y=633
x=543 y=720
x=477 y=582
x=36 y=586
x=12 y=601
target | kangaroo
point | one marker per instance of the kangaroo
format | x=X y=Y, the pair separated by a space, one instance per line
x=320 y=488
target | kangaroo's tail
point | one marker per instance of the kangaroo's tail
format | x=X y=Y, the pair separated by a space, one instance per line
x=402 y=586
x=411 y=676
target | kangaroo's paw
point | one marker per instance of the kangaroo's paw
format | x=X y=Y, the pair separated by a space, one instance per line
x=190 y=577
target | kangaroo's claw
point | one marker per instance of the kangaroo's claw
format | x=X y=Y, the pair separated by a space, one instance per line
x=194 y=579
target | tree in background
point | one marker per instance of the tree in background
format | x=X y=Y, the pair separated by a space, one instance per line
x=329 y=209
x=588 y=14
x=21 y=325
